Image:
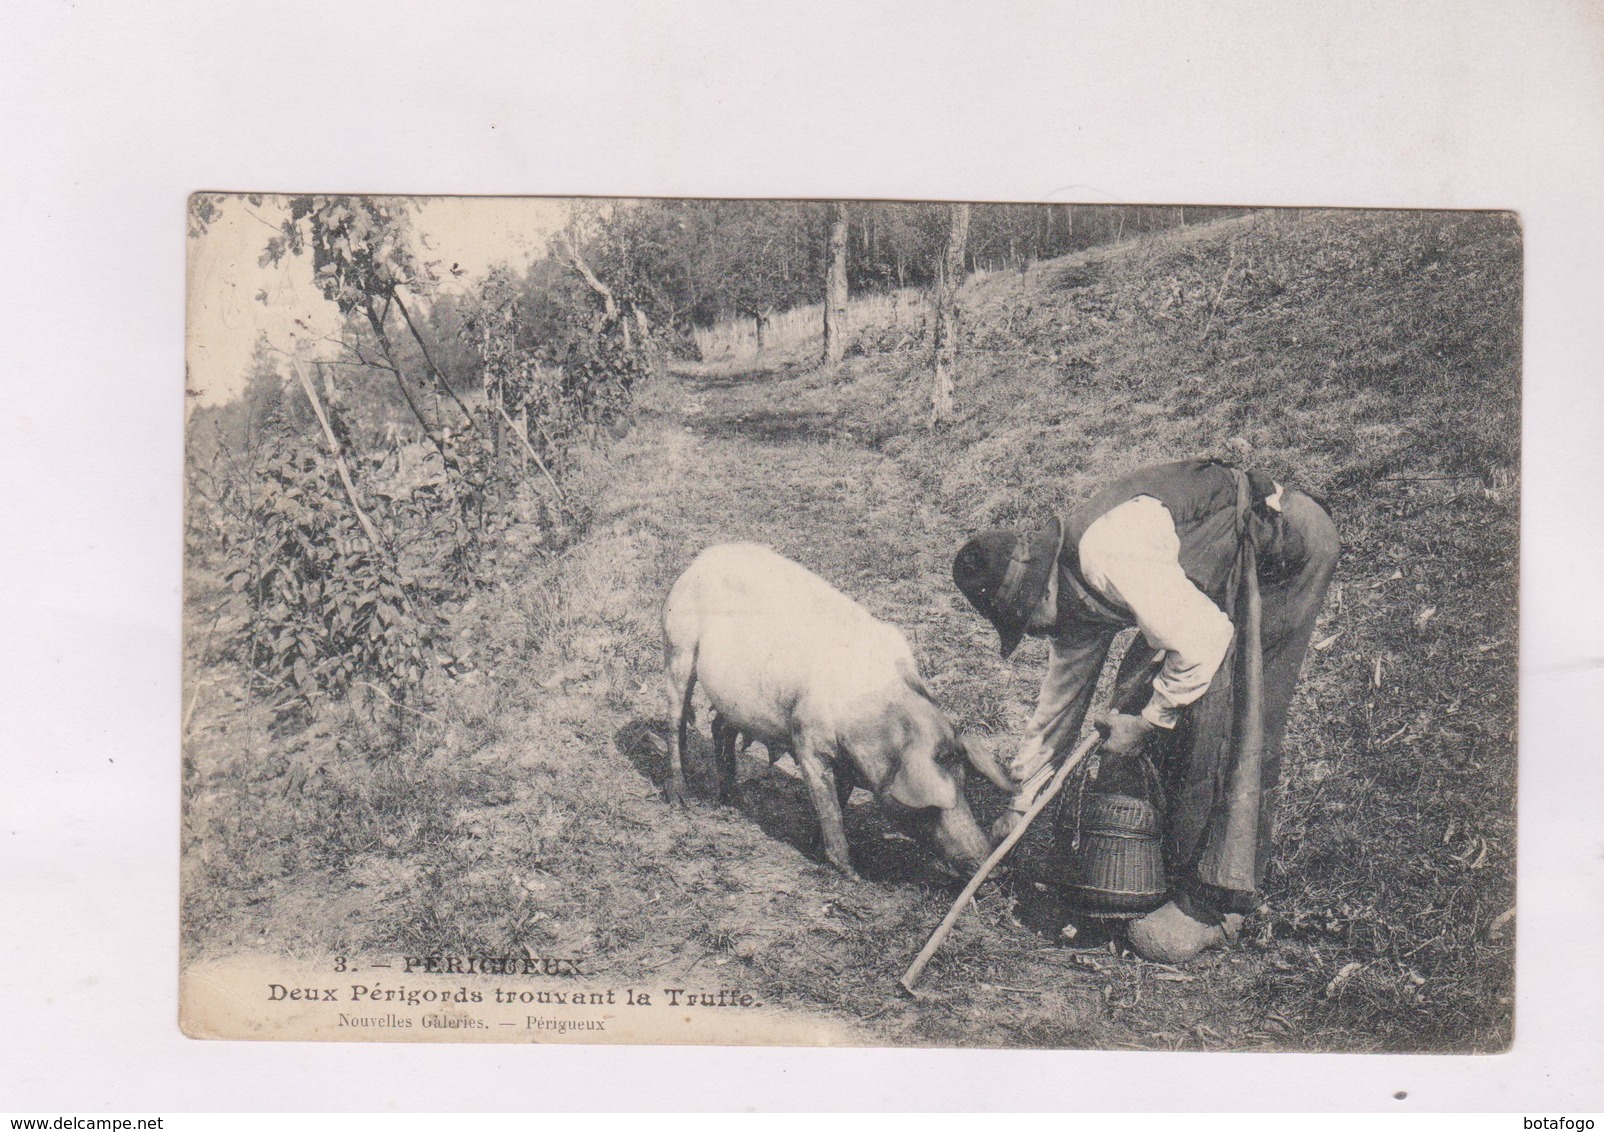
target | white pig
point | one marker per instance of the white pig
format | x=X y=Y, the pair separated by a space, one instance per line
x=791 y=661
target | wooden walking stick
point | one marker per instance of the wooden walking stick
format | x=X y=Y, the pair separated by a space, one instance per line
x=1121 y=698
x=937 y=937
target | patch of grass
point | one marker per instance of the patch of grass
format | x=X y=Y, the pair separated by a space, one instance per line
x=1372 y=358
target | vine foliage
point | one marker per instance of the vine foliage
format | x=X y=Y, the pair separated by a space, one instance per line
x=348 y=533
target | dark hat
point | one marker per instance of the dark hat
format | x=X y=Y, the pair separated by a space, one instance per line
x=1004 y=575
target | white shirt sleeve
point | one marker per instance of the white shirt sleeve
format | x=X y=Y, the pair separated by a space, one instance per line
x=1073 y=664
x=1131 y=556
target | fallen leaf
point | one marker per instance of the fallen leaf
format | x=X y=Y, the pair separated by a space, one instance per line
x=1321 y=646
x=1500 y=924
x=1340 y=979
x=1425 y=615
x=1470 y=858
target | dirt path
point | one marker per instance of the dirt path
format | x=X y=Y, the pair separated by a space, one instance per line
x=739 y=896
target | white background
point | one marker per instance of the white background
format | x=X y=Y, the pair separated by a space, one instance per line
x=110 y=114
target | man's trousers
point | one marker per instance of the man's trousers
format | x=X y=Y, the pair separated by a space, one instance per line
x=1195 y=761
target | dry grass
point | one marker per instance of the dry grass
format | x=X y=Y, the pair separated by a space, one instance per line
x=800 y=331
x=1373 y=356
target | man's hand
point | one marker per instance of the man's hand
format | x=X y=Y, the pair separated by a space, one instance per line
x=1024 y=795
x=1122 y=733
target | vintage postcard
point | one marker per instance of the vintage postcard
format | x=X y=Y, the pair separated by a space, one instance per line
x=850 y=623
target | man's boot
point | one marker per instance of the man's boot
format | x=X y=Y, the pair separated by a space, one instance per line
x=1173 y=934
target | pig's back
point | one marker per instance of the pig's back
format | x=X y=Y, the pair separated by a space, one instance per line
x=776 y=639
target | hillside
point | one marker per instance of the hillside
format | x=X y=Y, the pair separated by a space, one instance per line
x=1370 y=357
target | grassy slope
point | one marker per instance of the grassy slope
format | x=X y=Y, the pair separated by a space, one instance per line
x=1357 y=354
x=1347 y=349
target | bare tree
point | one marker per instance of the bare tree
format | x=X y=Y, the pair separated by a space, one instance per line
x=835 y=286
x=609 y=305
x=948 y=277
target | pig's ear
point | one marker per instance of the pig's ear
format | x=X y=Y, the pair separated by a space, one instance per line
x=981 y=753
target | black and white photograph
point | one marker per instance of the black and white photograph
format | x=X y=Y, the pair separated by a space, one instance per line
x=881 y=622
x=725 y=557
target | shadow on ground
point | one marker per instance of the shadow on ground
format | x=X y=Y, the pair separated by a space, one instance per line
x=802 y=425
x=774 y=798
x=728 y=375
x=746 y=404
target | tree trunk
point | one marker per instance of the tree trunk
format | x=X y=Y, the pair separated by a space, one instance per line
x=491 y=379
x=529 y=448
x=375 y=320
x=949 y=275
x=835 y=286
x=498 y=483
x=337 y=453
x=327 y=374
x=649 y=345
x=428 y=360
x=603 y=291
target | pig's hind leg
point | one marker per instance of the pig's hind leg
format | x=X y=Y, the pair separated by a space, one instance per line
x=679 y=674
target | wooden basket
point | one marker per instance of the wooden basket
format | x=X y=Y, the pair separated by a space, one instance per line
x=1117 y=870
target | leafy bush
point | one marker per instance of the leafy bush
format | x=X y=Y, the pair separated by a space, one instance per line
x=326 y=608
x=345 y=527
